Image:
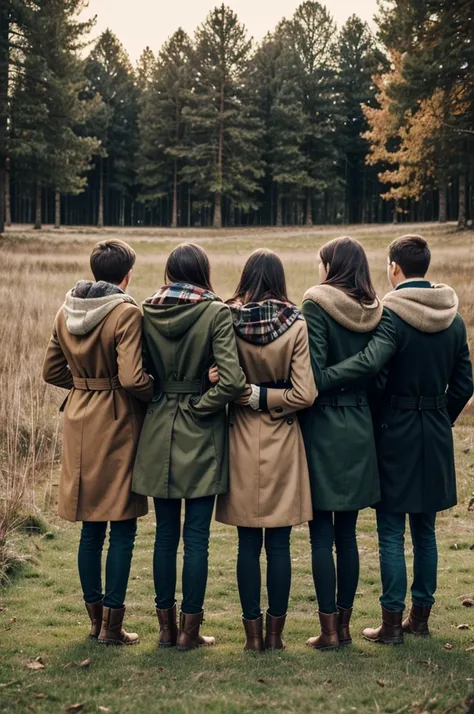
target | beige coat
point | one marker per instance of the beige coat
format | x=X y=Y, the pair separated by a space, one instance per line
x=101 y=424
x=269 y=481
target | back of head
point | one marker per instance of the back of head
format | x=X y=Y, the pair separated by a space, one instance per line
x=348 y=268
x=111 y=261
x=263 y=278
x=412 y=254
x=188 y=263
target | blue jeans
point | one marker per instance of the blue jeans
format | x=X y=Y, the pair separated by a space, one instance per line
x=391 y=531
x=118 y=563
x=196 y=531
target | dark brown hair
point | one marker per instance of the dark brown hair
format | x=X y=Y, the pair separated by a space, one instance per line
x=348 y=268
x=111 y=260
x=412 y=254
x=263 y=278
x=188 y=263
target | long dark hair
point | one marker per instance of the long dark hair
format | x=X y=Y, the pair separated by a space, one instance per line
x=188 y=263
x=263 y=278
x=348 y=269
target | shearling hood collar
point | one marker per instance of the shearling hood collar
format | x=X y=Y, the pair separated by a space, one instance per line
x=88 y=304
x=427 y=309
x=348 y=312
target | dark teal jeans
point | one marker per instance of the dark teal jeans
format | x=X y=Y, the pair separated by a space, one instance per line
x=391 y=531
x=118 y=563
x=249 y=579
x=196 y=531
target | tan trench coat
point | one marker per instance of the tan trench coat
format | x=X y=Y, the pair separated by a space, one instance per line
x=269 y=481
x=101 y=428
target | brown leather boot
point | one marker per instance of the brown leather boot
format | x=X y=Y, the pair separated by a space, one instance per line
x=254 y=632
x=188 y=633
x=390 y=631
x=417 y=621
x=112 y=632
x=329 y=638
x=344 y=618
x=168 y=627
x=94 y=610
x=274 y=628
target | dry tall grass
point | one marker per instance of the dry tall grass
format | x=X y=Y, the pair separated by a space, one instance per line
x=37 y=270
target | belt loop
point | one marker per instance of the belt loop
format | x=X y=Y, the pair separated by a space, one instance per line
x=420 y=404
x=86 y=384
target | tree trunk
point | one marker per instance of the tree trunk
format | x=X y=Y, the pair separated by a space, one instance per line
x=8 y=205
x=395 y=212
x=309 y=208
x=100 y=220
x=174 y=211
x=443 y=190
x=37 y=225
x=57 y=210
x=462 y=218
x=220 y=156
x=279 y=217
x=4 y=67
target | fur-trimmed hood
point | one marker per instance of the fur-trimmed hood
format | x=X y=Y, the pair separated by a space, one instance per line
x=348 y=312
x=88 y=304
x=430 y=309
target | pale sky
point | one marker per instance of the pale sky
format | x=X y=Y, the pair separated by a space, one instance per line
x=138 y=23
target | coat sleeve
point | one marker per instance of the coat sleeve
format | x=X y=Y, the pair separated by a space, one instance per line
x=232 y=381
x=318 y=339
x=366 y=364
x=303 y=392
x=460 y=387
x=128 y=343
x=55 y=367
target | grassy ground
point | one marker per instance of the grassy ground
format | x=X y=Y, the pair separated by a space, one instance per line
x=41 y=614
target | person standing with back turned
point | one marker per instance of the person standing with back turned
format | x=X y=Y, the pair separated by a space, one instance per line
x=96 y=352
x=426 y=384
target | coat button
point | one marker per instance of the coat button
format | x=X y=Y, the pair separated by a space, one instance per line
x=290 y=421
x=279 y=410
x=151 y=411
x=171 y=414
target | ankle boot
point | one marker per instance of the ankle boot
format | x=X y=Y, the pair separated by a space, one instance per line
x=390 y=631
x=417 y=621
x=329 y=638
x=344 y=618
x=188 y=633
x=112 y=632
x=274 y=629
x=94 y=611
x=168 y=627
x=254 y=632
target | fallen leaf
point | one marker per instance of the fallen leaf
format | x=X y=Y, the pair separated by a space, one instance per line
x=471 y=505
x=328 y=681
x=261 y=681
x=40 y=695
x=36 y=665
x=3 y=608
x=463 y=627
x=174 y=679
x=466 y=451
x=104 y=709
x=12 y=619
x=74 y=708
x=85 y=662
x=161 y=669
x=470 y=649
x=380 y=682
x=468 y=602
x=447 y=646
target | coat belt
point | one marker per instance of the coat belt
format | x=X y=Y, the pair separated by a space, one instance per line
x=100 y=384
x=418 y=403
x=187 y=386
x=343 y=400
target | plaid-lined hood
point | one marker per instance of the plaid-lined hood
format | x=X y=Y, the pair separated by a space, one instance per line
x=174 y=309
x=263 y=322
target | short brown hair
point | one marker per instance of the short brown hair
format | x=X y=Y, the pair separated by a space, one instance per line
x=412 y=254
x=111 y=260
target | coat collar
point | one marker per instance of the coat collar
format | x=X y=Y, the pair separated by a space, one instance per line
x=414 y=283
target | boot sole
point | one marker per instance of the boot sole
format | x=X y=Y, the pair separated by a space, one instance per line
x=114 y=643
x=345 y=643
x=324 y=649
x=418 y=634
x=165 y=645
x=394 y=642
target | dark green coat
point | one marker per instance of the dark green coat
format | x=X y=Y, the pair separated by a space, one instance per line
x=415 y=446
x=339 y=440
x=183 y=448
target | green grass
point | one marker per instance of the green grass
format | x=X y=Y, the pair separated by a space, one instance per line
x=44 y=617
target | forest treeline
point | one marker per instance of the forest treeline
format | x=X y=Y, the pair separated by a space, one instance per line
x=314 y=124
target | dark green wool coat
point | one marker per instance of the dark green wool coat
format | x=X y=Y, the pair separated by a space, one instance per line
x=339 y=439
x=422 y=343
x=183 y=448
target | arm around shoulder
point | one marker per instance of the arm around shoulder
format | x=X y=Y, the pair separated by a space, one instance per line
x=128 y=340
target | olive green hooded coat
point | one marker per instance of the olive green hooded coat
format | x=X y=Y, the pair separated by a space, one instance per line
x=183 y=448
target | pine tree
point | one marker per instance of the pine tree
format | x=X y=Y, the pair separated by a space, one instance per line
x=224 y=160
x=162 y=123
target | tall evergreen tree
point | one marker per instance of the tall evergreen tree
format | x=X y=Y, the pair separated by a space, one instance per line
x=224 y=159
